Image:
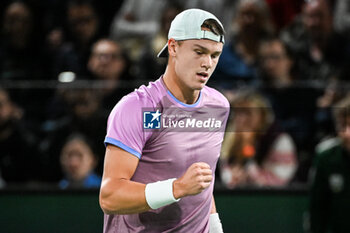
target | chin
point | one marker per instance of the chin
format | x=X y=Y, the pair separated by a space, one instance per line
x=198 y=87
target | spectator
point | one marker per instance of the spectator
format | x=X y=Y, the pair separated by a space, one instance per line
x=150 y=64
x=18 y=155
x=255 y=150
x=276 y=64
x=21 y=55
x=135 y=23
x=330 y=192
x=334 y=91
x=82 y=31
x=73 y=110
x=313 y=40
x=109 y=63
x=78 y=161
x=280 y=85
x=238 y=60
x=55 y=14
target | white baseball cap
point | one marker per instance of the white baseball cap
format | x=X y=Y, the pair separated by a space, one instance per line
x=188 y=26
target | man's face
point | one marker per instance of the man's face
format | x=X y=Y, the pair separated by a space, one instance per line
x=317 y=18
x=83 y=22
x=274 y=60
x=195 y=61
x=106 y=61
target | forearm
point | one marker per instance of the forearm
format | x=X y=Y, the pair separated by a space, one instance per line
x=123 y=197
x=120 y=195
x=213 y=206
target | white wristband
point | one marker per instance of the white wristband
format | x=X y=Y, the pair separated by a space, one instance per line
x=160 y=193
x=215 y=224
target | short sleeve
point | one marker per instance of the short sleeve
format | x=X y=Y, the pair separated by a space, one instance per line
x=124 y=127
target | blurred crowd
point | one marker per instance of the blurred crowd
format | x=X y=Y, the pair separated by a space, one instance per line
x=64 y=64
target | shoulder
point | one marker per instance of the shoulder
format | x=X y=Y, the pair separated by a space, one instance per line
x=143 y=97
x=325 y=146
x=213 y=96
x=328 y=152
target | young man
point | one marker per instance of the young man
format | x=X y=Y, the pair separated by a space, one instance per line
x=330 y=189
x=159 y=175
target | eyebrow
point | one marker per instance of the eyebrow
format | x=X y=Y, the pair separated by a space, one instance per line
x=206 y=50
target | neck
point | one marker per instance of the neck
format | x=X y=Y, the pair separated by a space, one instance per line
x=179 y=89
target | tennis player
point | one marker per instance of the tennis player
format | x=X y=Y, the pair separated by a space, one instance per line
x=159 y=175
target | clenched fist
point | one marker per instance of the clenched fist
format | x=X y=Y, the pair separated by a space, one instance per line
x=197 y=178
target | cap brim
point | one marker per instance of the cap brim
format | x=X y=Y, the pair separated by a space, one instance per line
x=164 y=51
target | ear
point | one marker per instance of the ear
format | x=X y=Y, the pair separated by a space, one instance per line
x=172 y=47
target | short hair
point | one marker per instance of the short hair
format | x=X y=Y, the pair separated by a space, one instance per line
x=275 y=38
x=213 y=26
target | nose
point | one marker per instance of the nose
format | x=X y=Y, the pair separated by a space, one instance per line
x=74 y=162
x=207 y=62
x=104 y=58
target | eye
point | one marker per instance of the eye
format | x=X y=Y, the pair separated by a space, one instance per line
x=198 y=52
x=215 y=56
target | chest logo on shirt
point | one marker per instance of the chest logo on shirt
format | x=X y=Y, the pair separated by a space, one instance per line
x=179 y=120
x=152 y=120
x=336 y=182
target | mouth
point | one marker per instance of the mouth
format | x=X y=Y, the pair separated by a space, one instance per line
x=203 y=76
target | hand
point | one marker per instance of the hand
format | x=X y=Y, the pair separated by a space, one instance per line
x=197 y=178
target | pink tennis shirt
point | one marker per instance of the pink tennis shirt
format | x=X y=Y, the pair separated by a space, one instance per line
x=168 y=136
